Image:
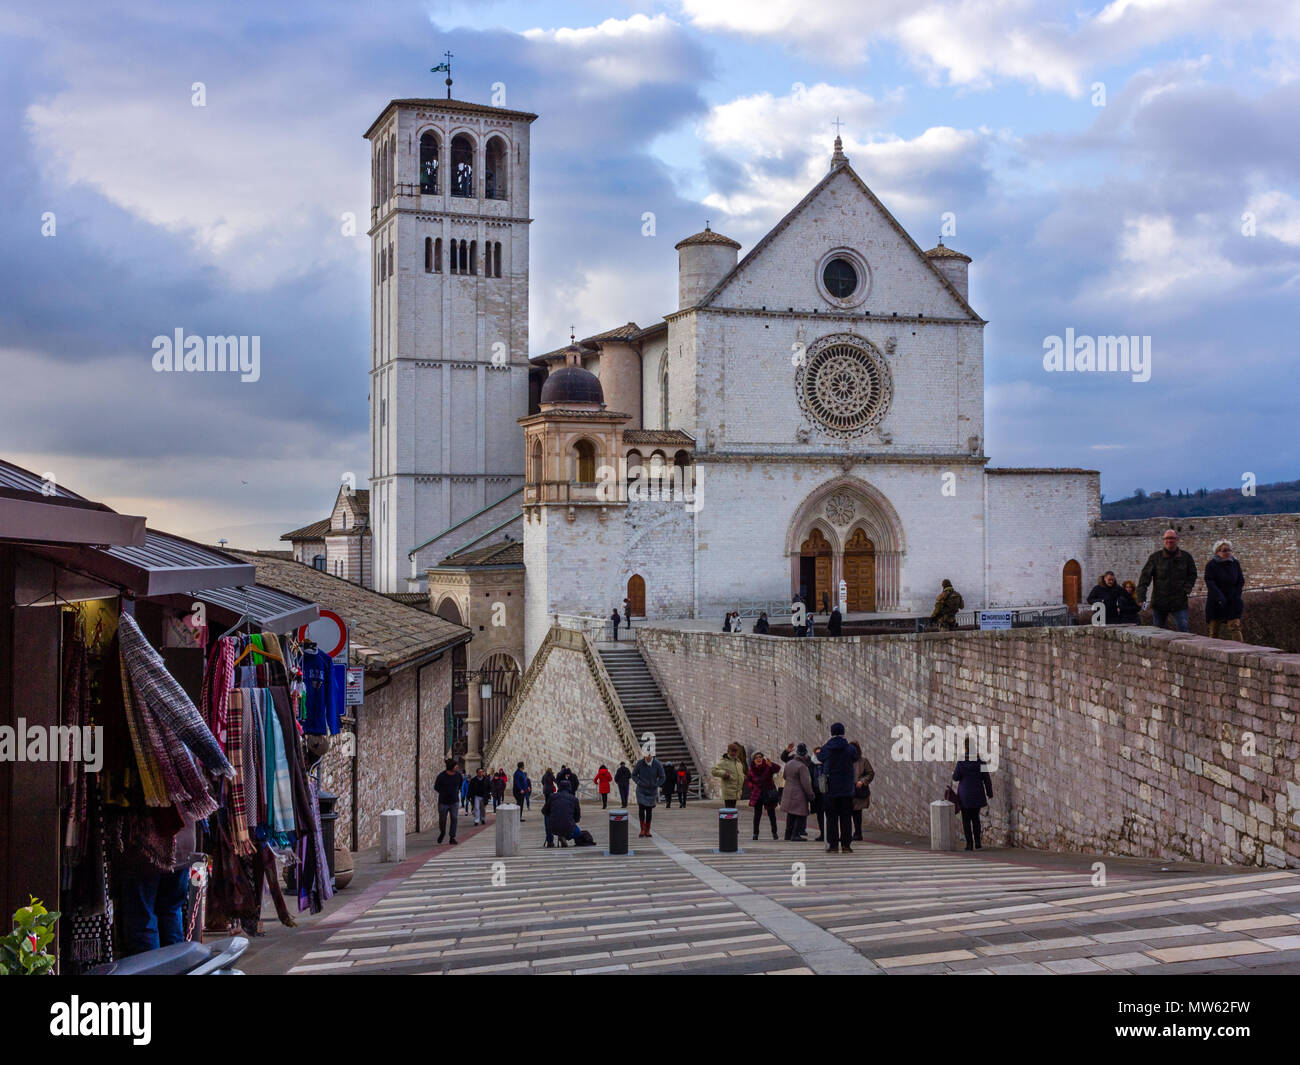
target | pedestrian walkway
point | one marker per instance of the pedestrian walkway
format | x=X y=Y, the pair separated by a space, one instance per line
x=890 y=907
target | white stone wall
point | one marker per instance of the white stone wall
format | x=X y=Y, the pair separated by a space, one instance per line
x=1037 y=522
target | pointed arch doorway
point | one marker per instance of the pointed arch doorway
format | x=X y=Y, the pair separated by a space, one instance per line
x=815 y=568
x=636 y=596
x=860 y=572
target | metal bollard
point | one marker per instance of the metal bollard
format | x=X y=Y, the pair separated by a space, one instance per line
x=617 y=832
x=728 y=829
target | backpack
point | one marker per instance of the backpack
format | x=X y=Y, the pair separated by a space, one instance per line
x=961 y=603
x=584 y=839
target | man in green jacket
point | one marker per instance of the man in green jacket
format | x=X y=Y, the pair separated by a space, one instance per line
x=731 y=771
x=1173 y=572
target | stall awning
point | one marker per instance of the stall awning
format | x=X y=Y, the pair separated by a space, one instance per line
x=162 y=565
x=37 y=510
x=272 y=610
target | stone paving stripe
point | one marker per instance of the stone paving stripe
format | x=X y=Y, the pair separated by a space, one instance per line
x=804 y=936
x=925 y=959
x=1128 y=960
x=1207 y=951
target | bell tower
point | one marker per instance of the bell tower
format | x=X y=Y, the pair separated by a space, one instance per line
x=449 y=324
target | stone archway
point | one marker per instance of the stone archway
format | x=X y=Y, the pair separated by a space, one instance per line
x=866 y=539
x=815 y=564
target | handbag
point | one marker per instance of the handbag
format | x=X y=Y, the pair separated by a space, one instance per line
x=862 y=791
x=951 y=796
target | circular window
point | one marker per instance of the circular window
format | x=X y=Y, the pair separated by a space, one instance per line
x=844 y=385
x=840 y=278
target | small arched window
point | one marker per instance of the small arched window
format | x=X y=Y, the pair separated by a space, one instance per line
x=392 y=164
x=535 y=463
x=496 y=260
x=428 y=162
x=663 y=397
x=682 y=460
x=473 y=256
x=634 y=463
x=494 y=169
x=487 y=258
x=453 y=258
x=428 y=255
x=437 y=256
x=585 y=458
x=462 y=166
x=463 y=252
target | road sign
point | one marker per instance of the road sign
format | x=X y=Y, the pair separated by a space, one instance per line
x=328 y=632
x=996 y=619
x=356 y=689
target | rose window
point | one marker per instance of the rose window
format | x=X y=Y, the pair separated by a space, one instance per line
x=844 y=386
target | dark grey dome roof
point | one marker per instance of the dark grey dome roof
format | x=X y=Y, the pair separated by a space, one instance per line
x=572 y=384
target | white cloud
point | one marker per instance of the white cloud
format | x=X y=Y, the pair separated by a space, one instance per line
x=1277 y=215
x=620 y=53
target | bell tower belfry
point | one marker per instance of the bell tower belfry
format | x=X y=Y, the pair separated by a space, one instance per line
x=449 y=322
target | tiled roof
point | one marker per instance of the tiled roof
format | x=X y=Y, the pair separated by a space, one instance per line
x=361 y=501
x=386 y=634
x=941 y=252
x=509 y=553
x=419 y=600
x=657 y=436
x=707 y=236
x=627 y=331
x=315 y=531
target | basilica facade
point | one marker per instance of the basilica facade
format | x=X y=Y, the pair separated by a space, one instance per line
x=808 y=420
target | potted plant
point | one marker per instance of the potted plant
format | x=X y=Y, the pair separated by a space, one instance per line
x=22 y=952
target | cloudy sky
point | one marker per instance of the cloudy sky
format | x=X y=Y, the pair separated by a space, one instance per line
x=1121 y=168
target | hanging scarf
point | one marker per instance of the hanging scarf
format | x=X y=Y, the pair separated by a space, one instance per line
x=279 y=785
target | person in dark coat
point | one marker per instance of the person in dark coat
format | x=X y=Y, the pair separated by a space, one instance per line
x=1130 y=610
x=1108 y=593
x=562 y=812
x=521 y=786
x=726 y=622
x=837 y=758
x=834 y=625
x=498 y=788
x=761 y=626
x=622 y=775
x=974 y=788
x=670 y=783
x=447 y=784
x=615 y=620
x=648 y=776
x=1173 y=573
x=796 y=797
x=683 y=782
x=818 y=773
x=1224 y=582
x=480 y=791
x=865 y=774
x=548 y=784
x=762 y=791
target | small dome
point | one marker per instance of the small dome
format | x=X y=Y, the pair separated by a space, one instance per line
x=572 y=384
x=941 y=252
x=706 y=236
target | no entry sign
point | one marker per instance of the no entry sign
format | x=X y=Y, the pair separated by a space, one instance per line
x=328 y=632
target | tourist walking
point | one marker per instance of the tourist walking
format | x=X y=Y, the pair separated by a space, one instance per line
x=480 y=789
x=947 y=604
x=1173 y=573
x=726 y=622
x=1130 y=610
x=648 y=778
x=838 y=758
x=464 y=793
x=614 y=620
x=498 y=788
x=1108 y=593
x=447 y=786
x=731 y=771
x=861 y=790
x=797 y=797
x=602 y=781
x=762 y=791
x=683 y=782
x=762 y=626
x=974 y=789
x=562 y=813
x=622 y=776
x=670 y=783
x=521 y=787
x=835 y=624
x=1224 y=582
x=548 y=784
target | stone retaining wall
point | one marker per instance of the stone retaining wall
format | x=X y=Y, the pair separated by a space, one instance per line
x=1133 y=742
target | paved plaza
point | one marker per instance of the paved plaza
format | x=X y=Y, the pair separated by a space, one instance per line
x=891 y=907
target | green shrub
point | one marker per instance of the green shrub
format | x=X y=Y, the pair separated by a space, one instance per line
x=22 y=952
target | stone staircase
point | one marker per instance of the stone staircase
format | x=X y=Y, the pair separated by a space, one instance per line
x=646 y=709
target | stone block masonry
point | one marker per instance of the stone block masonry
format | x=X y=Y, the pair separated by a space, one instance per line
x=1133 y=742
x=1268 y=546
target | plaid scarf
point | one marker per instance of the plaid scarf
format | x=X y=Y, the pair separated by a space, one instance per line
x=236 y=752
x=215 y=697
x=165 y=699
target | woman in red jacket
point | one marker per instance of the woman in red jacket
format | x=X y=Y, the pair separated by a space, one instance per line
x=602 y=779
x=762 y=792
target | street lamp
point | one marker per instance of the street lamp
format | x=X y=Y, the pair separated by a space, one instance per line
x=485 y=690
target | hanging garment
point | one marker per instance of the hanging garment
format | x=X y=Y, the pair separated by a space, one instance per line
x=279 y=784
x=314 y=885
x=302 y=800
x=322 y=710
x=236 y=796
x=214 y=700
x=164 y=698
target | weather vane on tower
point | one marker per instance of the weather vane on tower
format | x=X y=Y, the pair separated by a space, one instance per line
x=447 y=67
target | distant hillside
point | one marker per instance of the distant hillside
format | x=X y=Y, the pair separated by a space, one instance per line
x=1280 y=498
